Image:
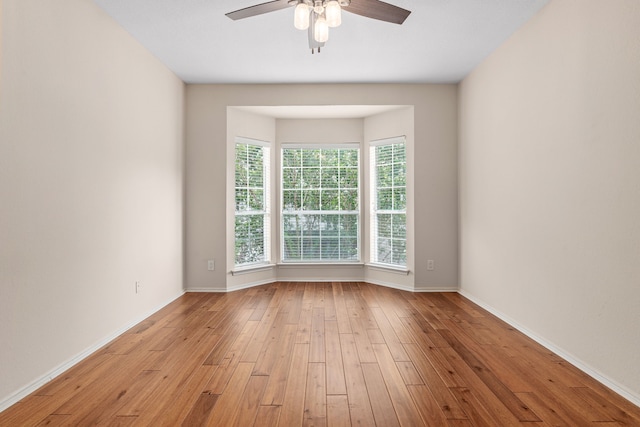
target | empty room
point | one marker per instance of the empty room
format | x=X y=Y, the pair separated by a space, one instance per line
x=320 y=213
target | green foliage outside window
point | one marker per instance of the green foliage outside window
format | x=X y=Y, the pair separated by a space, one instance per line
x=390 y=220
x=251 y=204
x=320 y=207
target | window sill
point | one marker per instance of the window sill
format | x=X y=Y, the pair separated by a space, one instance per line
x=256 y=268
x=389 y=268
x=319 y=264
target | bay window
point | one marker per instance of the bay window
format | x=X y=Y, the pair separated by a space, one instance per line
x=320 y=208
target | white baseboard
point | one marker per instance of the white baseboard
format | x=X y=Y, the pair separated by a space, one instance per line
x=630 y=395
x=36 y=384
x=324 y=280
x=437 y=289
x=319 y=279
x=389 y=285
x=212 y=290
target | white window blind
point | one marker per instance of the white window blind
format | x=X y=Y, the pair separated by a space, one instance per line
x=320 y=203
x=389 y=201
x=252 y=202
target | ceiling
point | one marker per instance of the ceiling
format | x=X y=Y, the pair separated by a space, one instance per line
x=440 y=42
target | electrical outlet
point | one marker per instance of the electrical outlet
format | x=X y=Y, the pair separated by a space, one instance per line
x=211 y=264
x=430 y=264
x=138 y=287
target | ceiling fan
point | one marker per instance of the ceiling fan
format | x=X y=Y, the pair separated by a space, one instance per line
x=317 y=16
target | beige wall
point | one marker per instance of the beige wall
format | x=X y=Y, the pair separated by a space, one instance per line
x=435 y=108
x=91 y=160
x=549 y=193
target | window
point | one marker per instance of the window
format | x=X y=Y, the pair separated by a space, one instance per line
x=320 y=203
x=252 y=202
x=389 y=201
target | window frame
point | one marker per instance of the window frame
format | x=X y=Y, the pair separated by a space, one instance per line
x=265 y=212
x=373 y=209
x=358 y=212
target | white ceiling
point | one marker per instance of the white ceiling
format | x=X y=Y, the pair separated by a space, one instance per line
x=440 y=42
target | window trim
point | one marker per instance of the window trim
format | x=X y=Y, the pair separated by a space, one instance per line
x=373 y=186
x=281 y=213
x=265 y=213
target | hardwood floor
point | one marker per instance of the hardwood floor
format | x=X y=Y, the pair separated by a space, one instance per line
x=316 y=354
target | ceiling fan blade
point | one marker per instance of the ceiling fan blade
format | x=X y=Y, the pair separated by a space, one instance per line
x=379 y=10
x=259 y=9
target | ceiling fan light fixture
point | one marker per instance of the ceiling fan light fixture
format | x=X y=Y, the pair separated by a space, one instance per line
x=301 y=16
x=333 y=12
x=318 y=7
x=321 y=30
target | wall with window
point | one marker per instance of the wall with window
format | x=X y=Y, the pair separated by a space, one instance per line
x=260 y=128
x=382 y=127
x=208 y=220
x=328 y=132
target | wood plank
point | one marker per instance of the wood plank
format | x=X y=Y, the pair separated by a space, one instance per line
x=32 y=410
x=267 y=416
x=201 y=410
x=175 y=377
x=104 y=390
x=406 y=410
x=359 y=404
x=553 y=416
x=259 y=336
x=427 y=406
x=330 y=312
x=110 y=406
x=338 y=411
x=270 y=348
x=615 y=409
x=477 y=413
x=303 y=335
x=317 y=347
x=409 y=373
x=278 y=375
x=250 y=401
x=383 y=410
x=497 y=387
x=441 y=393
x=292 y=412
x=365 y=350
x=333 y=356
x=295 y=304
x=186 y=399
x=315 y=399
x=399 y=328
x=479 y=389
x=390 y=337
x=226 y=407
x=229 y=337
x=55 y=420
x=342 y=315
x=228 y=364
x=375 y=336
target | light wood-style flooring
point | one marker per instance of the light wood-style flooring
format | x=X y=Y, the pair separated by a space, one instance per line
x=316 y=354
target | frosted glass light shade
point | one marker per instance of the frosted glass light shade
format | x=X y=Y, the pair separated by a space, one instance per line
x=333 y=13
x=301 y=16
x=321 y=30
